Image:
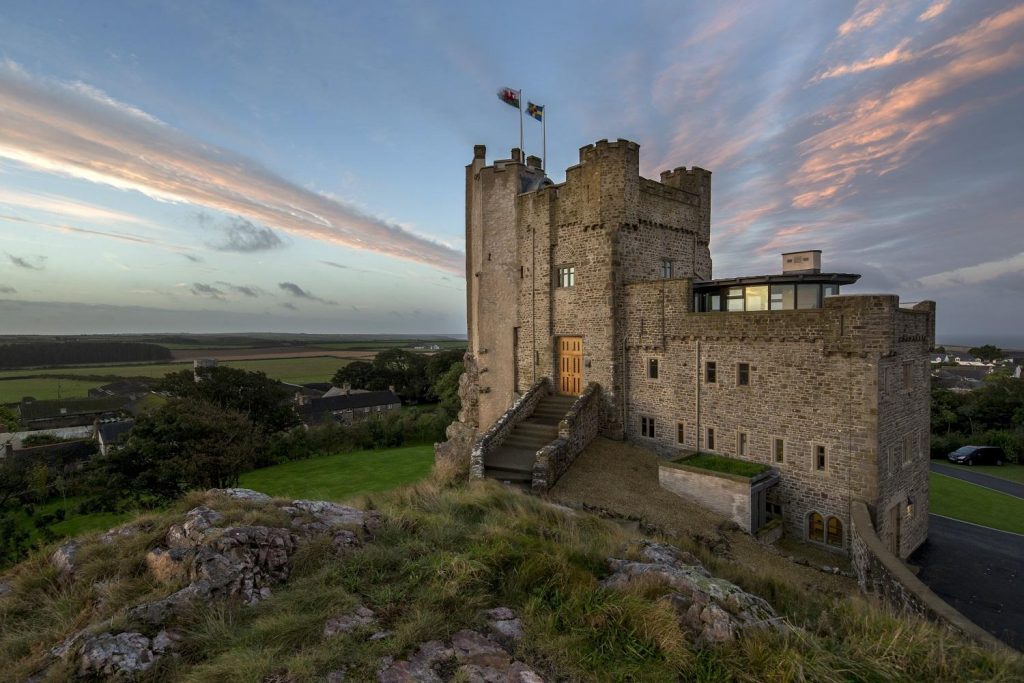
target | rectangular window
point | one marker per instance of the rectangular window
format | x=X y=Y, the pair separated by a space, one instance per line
x=710 y=372
x=757 y=298
x=710 y=442
x=829 y=290
x=908 y=448
x=734 y=299
x=783 y=297
x=666 y=268
x=652 y=368
x=779 y=450
x=908 y=375
x=647 y=427
x=808 y=296
x=743 y=374
x=741 y=443
x=680 y=433
x=567 y=276
x=819 y=458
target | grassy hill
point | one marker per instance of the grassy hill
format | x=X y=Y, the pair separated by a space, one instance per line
x=443 y=553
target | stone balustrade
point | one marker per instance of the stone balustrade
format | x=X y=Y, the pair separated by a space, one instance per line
x=579 y=426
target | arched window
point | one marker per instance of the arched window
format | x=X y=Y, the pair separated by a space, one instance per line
x=835 y=532
x=816 y=527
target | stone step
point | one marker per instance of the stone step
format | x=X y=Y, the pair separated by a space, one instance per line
x=549 y=411
x=511 y=458
x=533 y=443
x=539 y=428
x=509 y=476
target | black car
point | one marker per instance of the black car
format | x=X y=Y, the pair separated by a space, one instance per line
x=978 y=455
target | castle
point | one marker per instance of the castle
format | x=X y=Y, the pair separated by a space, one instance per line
x=592 y=311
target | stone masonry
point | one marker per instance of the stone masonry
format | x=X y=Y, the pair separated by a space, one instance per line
x=850 y=377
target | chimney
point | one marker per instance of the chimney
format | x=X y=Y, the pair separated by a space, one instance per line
x=391 y=388
x=517 y=155
x=533 y=161
x=347 y=388
x=479 y=151
x=802 y=262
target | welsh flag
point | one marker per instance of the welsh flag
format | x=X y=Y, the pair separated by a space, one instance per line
x=509 y=96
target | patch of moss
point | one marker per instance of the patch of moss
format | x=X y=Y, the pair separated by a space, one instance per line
x=718 y=463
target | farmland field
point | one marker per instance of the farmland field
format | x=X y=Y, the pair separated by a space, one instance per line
x=29 y=383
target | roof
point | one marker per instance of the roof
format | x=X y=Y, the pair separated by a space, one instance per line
x=112 y=432
x=319 y=408
x=126 y=386
x=41 y=410
x=65 y=433
x=785 y=278
x=338 y=391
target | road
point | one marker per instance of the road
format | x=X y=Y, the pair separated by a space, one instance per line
x=986 y=480
x=979 y=571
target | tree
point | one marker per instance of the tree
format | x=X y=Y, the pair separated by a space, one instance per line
x=446 y=387
x=265 y=401
x=8 y=420
x=359 y=374
x=185 y=444
x=987 y=353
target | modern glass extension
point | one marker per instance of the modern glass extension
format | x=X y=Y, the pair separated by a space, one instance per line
x=768 y=292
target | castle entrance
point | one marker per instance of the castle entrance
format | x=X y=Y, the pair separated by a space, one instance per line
x=570 y=365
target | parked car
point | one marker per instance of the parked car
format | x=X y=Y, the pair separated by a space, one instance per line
x=978 y=455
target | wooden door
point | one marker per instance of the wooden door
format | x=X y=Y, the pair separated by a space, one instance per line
x=570 y=365
x=894 y=530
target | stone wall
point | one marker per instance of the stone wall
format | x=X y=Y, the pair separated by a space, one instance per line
x=577 y=429
x=495 y=435
x=881 y=573
x=728 y=495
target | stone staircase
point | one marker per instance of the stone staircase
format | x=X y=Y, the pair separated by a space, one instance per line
x=512 y=462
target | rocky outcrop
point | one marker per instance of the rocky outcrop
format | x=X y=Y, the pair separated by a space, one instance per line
x=346 y=623
x=471 y=656
x=461 y=433
x=714 y=610
x=123 y=655
x=63 y=558
x=193 y=529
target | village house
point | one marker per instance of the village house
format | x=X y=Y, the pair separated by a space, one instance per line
x=592 y=310
x=343 y=405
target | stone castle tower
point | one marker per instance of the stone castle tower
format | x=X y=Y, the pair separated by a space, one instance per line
x=592 y=311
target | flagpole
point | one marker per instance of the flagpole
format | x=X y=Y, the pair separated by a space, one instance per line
x=521 y=150
x=544 y=137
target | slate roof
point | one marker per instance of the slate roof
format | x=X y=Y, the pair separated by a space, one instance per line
x=320 y=409
x=112 y=432
x=42 y=410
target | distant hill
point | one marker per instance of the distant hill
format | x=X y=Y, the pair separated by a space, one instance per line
x=44 y=353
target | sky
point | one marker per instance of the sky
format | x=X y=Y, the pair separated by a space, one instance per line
x=299 y=167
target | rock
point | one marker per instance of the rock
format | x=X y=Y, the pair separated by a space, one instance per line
x=504 y=624
x=345 y=540
x=168 y=566
x=63 y=558
x=349 y=622
x=191 y=532
x=244 y=562
x=471 y=657
x=157 y=612
x=121 y=655
x=429 y=665
x=165 y=641
x=243 y=494
x=124 y=531
x=380 y=635
x=475 y=648
x=713 y=609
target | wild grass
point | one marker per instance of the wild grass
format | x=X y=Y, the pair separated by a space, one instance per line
x=444 y=553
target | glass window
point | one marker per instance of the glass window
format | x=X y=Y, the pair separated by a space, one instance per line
x=780 y=450
x=741 y=443
x=835 y=532
x=783 y=297
x=830 y=290
x=647 y=427
x=743 y=374
x=567 y=276
x=816 y=527
x=712 y=302
x=734 y=299
x=757 y=298
x=808 y=296
x=652 y=368
x=819 y=458
x=680 y=432
x=710 y=372
x=666 y=268
x=710 y=443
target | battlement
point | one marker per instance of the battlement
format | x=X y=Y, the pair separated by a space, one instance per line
x=696 y=180
x=604 y=147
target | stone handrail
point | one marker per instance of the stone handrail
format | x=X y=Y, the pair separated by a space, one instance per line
x=579 y=426
x=490 y=440
x=882 y=573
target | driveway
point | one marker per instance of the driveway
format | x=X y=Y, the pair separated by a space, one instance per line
x=979 y=571
x=986 y=480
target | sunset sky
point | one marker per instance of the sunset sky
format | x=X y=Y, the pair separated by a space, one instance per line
x=299 y=166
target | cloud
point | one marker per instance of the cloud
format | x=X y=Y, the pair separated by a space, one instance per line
x=28 y=263
x=250 y=291
x=866 y=14
x=934 y=10
x=300 y=293
x=201 y=289
x=290 y=306
x=976 y=274
x=48 y=203
x=897 y=55
x=244 y=236
x=74 y=130
x=192 y=257
x=7 y=289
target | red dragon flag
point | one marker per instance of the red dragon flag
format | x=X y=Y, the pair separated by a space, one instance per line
x=509 y=96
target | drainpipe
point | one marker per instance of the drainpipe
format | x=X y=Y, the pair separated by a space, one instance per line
x=696 y=391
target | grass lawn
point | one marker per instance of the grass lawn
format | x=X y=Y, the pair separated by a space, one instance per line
x=964 y=501
x=295 y=370
x=74 y=524
x=337 y=477
x=718 y=463
x=1008 y=471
